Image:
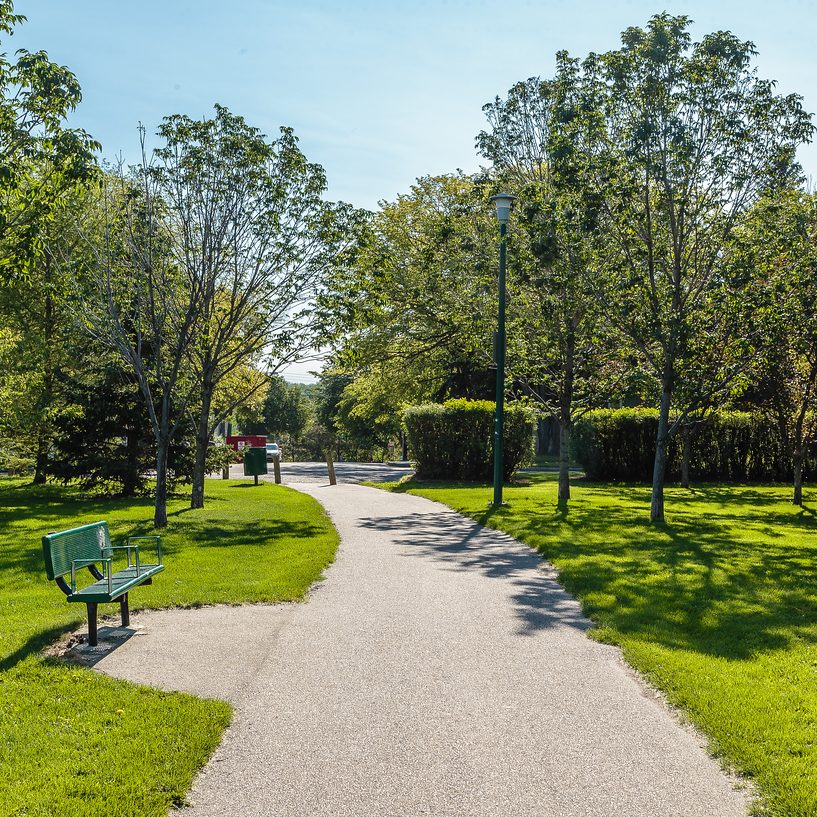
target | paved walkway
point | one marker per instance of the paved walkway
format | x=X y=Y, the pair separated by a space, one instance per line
x=439 y=670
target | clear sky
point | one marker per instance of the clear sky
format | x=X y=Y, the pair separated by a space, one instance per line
x=378 y=91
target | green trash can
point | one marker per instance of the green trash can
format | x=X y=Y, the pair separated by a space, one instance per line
x=255 y=462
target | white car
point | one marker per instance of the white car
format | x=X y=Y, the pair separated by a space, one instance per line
x=273 y=452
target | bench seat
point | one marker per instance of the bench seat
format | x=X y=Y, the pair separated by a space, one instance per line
x=121 y=582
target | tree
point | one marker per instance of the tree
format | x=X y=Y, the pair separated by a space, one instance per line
x=328 y=396
x=42 y=163
x=673 y=142
x=40 y=158
x=414 y=306
x=559 y=345
x=37 y=312
x=144 y=306
x=368 y=417
x=778 y=251
x=286 y=410
x=240 y=396
x=248 y=224
x=102 y=435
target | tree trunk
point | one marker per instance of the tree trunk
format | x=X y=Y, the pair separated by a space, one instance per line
x=202 y=441
x=564 y=463
x=798 y=460
x=160 y=509
x=687 y=434
x=660 y=466
x=131 y=476
x=542 y=431
x=566 y=415
x=225 y=474
x=41 y=462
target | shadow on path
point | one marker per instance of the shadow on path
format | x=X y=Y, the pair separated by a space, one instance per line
x=539 y=600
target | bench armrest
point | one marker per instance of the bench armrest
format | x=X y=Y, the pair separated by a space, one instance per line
x=157 y=540
x=75 y=563
x=108 y=551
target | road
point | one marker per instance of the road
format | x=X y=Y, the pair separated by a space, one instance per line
x=345 y=472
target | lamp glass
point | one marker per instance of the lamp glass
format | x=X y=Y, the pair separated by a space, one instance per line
x=503 y=203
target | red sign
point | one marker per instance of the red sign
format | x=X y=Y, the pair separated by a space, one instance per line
x=246 y=441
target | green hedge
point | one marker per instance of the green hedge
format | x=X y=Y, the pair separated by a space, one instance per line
x=454 y=440
x=619 y=445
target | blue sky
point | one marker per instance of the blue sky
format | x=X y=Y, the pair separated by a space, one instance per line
x=378 y=92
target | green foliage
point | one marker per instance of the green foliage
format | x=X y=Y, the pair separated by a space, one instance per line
x=254 y=238
x=286 y=410
x=416 y=308
x=328 y=395
x=616 y=445
x=561 y=347
x=42 y=345
x=776 y=251
x=368 y=416
x=15 y=461
x=718 y=608
x=728 y=446
x=41 y=160
x=454 y=440
x=102 y=436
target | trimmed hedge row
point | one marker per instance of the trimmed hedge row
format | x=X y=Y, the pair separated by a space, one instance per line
x=619 y=445
x=454 y=440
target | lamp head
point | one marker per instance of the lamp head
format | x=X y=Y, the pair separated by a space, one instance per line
x=503 y=204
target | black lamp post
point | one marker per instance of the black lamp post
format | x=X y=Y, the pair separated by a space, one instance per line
x=503 y=204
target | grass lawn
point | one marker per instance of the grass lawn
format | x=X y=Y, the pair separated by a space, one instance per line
x=74 y=743
x=718 y=608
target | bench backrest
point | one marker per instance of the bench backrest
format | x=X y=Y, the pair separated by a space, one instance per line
x=86 y=542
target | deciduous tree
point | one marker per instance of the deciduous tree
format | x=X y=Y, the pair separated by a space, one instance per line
x=673 y=142
x=41 y=159
x=559 y=343
x=778 y=253
x=247 y=223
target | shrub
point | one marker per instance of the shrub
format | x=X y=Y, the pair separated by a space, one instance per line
x=616 y=445
x=729 y=446
x=15 y=462
x=454 y=440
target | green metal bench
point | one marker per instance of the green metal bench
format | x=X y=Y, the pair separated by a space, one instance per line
x=88 y=546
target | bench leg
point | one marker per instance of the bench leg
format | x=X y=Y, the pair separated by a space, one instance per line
x=91 y=623
x=124 y=611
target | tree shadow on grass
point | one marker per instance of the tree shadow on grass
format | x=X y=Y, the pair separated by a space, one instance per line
x=256 y=534
x=700 y=583
x=35 y=644
x=53 y=513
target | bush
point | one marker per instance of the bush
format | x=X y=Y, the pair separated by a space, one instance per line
x=619 y=445
x=454 y=440
x=15 y=462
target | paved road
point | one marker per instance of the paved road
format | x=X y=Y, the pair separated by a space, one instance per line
x=315 y=472
x=438 y=670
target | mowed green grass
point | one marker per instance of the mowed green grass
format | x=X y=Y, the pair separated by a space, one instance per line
x=74 y=743
x=718 y=608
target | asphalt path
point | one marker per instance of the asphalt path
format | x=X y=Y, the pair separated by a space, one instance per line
x=439 y=669
x=346 y=472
